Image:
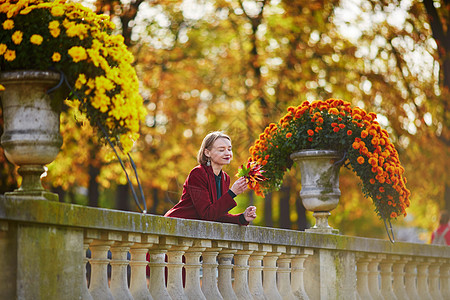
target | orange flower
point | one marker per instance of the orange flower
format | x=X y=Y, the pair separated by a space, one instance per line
x=355 y=145
x=336 y=129
x=364 y=134
x=360 y=160
x=349 y=132
x=393 y=215
x=288 y=135
x=373 y=161
x=333 y=111
x=372 y=181
x=310 y=132
x=334 y=124
x=267 y=157
x=310 y=139
x=264 y=162
x=381 y=189
x=342 y=126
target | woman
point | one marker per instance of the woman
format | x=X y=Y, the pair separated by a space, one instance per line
x=206 y=193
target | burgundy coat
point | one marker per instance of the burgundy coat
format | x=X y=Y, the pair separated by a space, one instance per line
x=199 y=198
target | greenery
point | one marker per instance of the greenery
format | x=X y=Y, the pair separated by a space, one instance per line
x=334 y=125
x=72 y=39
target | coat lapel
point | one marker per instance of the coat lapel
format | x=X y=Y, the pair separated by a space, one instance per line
x=211 y=183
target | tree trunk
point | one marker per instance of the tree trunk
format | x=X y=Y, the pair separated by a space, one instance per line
x=60 y=191
x=285 y=220
x=268 y=221
x=122 y=197
x=447 y=197
x=302 y=223
x=155 y=201
x=93 y=193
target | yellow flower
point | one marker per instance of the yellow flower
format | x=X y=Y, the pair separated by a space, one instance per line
x=36 y=39
x=3 y=48
x=80 y=81
x=55 y=32
x=53 y=26
x=10 y=55
x=56 y=57
x=77 y=53
x=102 y=83
x=57 y=11
x=77 y=30
x=17 y=37
x=8 y=24
x=2 y=88
x=26 y=11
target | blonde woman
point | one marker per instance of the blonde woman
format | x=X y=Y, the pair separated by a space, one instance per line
x=206 y=192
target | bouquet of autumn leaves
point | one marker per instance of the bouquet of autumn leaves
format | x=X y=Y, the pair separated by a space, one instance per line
x=253 y=174
x=71 y=39
x=334 y=125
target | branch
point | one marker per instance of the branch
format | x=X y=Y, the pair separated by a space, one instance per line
x=437 y=28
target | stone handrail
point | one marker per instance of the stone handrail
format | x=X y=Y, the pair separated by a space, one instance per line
x=44 y=243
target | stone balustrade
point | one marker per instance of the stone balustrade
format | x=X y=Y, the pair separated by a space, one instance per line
x=44 y=243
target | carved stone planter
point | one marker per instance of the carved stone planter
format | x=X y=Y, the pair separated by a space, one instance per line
x=31 y=137
x=320 y=185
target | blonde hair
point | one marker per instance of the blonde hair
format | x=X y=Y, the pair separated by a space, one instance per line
x=207 y=143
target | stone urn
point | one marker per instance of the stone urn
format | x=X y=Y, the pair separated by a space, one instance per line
x=320 y=185
x=31 y=136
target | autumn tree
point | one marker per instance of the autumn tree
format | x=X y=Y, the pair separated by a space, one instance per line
x=237 y=65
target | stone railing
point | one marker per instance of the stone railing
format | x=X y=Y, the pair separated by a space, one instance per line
x=43 y=256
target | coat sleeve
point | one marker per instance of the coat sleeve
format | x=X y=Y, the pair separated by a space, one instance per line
x=197 y=187
x=235 y=219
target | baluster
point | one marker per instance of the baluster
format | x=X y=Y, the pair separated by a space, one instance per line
x=422 y=279
x=85 y=292
x=411 y=280
x=386 y=278
x=175 y=269
x=241 y=267
x=445 y=279
x=157 y=266
x=119 y=263
x=99 y=270
x=255 y=272
x=284 y=274
x=433 y=281
x=399 y=277
x=270 y=272
x=298 y=269
x=362 y=274
x=225 y=266
x=138 y=264
x=192 y=267
x=374 y=286
x=209 y=280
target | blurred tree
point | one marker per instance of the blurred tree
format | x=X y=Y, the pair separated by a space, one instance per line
x=237 y=65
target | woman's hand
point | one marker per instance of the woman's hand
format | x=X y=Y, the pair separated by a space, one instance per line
x=250 y=213
x=239 y=186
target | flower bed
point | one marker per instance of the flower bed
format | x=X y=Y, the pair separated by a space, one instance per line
x=69 y=38
x=334 y=125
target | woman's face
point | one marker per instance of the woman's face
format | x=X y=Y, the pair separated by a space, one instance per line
x=220 y=153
